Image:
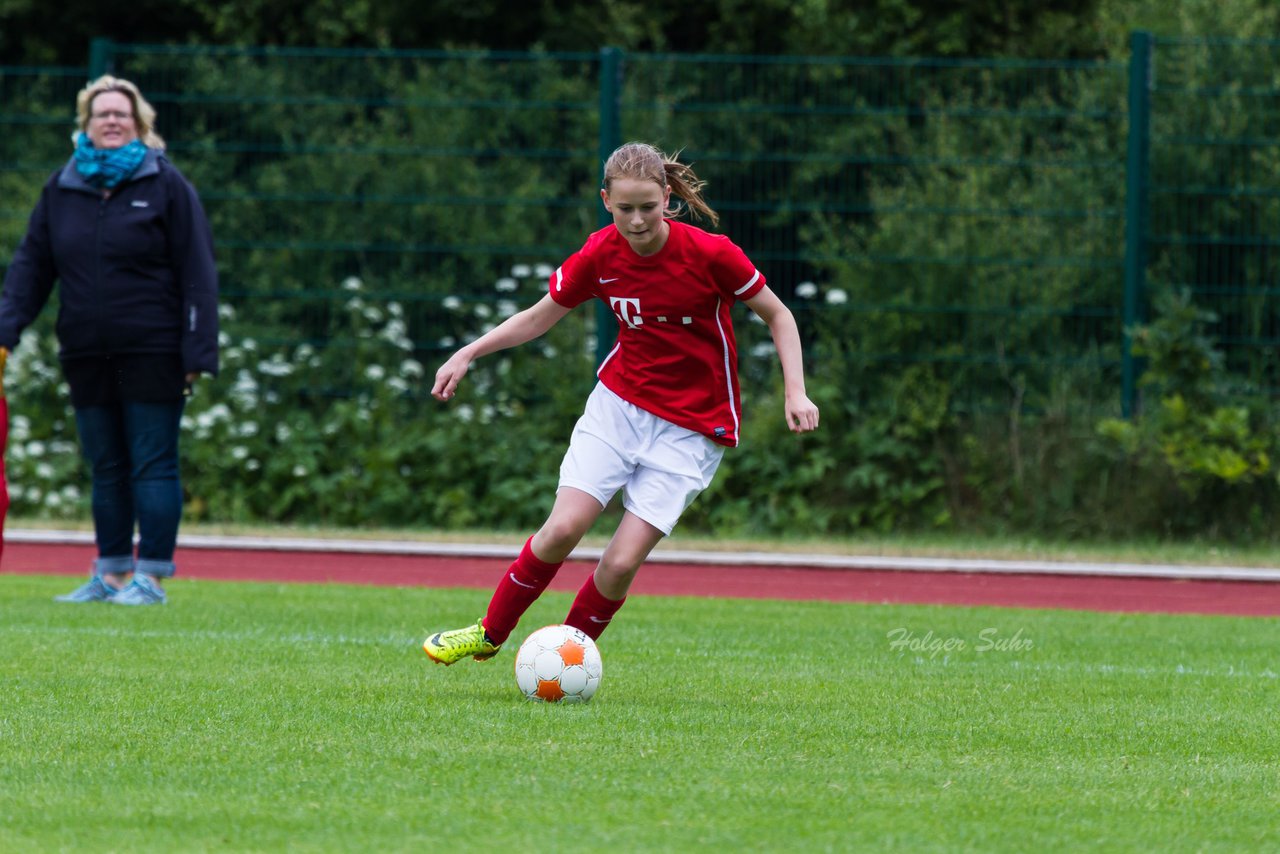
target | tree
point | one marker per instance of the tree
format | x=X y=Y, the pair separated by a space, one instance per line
x=35 y=32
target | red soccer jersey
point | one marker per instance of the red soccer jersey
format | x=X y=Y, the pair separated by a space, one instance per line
x=676 y=355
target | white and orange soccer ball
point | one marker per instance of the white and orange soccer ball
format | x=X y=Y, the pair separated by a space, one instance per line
x=558 y=664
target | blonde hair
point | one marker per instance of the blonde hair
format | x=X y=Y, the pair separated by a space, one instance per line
x=144 y=115
x=643 y=162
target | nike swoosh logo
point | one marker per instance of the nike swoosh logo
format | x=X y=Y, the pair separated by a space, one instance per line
x=521 y=583
x=596 y=619
x=607 y=281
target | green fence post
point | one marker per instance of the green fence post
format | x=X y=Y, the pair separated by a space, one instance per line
x=101 y=57
x=610 y=139
x=1135 y=244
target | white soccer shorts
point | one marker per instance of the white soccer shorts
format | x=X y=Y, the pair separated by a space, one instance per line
x=659 y=466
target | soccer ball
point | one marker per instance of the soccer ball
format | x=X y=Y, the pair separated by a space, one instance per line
x=558 y=664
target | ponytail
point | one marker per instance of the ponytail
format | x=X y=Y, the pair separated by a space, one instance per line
x=641 y=161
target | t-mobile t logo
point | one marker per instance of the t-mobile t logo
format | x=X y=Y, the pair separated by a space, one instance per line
x=628 y=311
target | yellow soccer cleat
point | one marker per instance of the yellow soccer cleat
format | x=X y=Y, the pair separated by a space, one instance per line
x=448 y=647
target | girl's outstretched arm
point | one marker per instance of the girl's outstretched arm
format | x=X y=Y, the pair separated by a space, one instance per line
x=802 y=414
x=515 y=330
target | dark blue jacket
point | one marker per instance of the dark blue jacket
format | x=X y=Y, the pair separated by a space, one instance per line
x=136 y=271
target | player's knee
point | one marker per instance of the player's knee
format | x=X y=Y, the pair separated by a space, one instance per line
x=556 y=539
x=619 y=570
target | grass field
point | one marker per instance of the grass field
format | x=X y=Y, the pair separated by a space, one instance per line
x=305 y=717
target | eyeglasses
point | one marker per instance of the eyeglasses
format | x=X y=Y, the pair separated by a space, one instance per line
x=118 y=115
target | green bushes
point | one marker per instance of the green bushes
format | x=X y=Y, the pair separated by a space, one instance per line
x=948 y=233
x=264 y=443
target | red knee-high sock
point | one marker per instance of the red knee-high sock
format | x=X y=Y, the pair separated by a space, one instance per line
x=590 y=611
x=521 y=584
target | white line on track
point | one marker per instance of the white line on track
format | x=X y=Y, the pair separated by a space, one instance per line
x=663 y=555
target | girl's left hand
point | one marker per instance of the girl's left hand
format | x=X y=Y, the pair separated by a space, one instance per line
x=802 y=414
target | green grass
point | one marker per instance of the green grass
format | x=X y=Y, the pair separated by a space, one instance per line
x=265 y=717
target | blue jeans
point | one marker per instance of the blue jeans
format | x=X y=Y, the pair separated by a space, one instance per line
x=132 y=452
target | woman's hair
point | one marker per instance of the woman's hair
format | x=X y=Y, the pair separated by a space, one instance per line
x=144 y=115
x=643 y=162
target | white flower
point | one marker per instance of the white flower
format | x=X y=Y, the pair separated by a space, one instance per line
x=544 y=271
x=239 y=452
x=411 y=368
x=248 y=428
x=448 y=341
x=283 y=433
x=375 y=372
x=214 y=414
x=451 y=302
x=521 y=271
x=351 y=283
x=763 y=350
x=245 y=389
x=35 y=449
x=506 y=308
x=395 y=332
x=276 y=366
x=835 y=296
x=806 y=290
x=464 y=413
x=482 y=310
x=299 y=470
x=506 y=285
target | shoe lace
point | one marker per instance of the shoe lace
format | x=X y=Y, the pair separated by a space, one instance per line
x=470 y=638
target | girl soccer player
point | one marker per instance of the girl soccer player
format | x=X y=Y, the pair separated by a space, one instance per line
x=667 y=402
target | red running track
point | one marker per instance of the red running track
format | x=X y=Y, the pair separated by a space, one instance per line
x=1080 y=592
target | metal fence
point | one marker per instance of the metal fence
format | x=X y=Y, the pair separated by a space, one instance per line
x=965 y=219
x=1212 y=225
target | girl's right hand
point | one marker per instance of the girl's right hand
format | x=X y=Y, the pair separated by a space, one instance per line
x=450 y=373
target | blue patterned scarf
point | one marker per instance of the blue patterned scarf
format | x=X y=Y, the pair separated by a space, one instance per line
x=106 y=168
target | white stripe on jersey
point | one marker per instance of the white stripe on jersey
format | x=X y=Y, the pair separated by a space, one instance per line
x=747 y=286
x=728 y=369
x=606 y=359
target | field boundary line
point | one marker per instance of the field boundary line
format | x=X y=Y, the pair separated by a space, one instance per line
x=692 y=556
